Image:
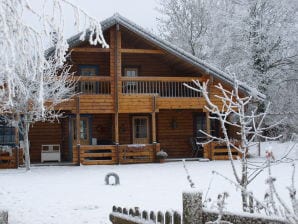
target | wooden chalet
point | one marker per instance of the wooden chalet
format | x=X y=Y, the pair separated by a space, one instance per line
x=132 y=102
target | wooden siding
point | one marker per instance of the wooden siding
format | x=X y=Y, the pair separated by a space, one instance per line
x=65 y=135
x=125 y=126
x=91 y=58
x=102 y=127
x=136 y=103
x=153 y=65
x=175 y=141
x=180 y=103
x=93 y=104
x=43 y=133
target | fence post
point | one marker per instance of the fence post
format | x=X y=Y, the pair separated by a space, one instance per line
x=3 y=217
x=153 y=216
x=160 y=217
x=168 y=218
x=177 y=218
x=192 y=208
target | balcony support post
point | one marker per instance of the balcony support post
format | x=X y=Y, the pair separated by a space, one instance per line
x=78 y=128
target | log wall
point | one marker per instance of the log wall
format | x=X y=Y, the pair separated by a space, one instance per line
x=43 y=133
x=175 y=140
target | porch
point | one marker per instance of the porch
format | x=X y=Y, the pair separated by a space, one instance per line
x=124 y=138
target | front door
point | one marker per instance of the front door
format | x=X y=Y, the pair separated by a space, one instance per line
x=140 y=126
x=84 y=131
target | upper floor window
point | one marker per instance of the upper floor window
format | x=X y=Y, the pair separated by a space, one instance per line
x=88 y=70
x=131 y=72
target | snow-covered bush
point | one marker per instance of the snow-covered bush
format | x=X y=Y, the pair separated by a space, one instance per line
x=161 y=155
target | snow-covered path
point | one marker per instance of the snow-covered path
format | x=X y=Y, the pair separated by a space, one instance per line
x=76 y=195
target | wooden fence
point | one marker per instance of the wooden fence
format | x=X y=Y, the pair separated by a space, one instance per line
x=114 y=154
x=219 y=151
x=11 y=159
x=143 y=217
x=193 y=213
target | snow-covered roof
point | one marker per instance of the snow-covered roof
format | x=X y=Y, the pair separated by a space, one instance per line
x=167 y=46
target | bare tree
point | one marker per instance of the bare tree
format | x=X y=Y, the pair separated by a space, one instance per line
x=185 y=24
x=32 y=82
x=234 y=113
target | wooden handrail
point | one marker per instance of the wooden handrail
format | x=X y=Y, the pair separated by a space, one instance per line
x=166 y=79
x=139 y=78
x=93 y=78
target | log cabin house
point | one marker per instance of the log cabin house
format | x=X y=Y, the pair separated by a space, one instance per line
x=132 y=102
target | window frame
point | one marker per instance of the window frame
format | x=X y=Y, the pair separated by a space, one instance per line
x=81 y=67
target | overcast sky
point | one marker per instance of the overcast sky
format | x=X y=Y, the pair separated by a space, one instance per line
x=142 y=12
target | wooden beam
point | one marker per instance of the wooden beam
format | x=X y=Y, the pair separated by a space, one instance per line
x=154 y=120
x=78 y=127
x=141 y=51
x=92 y=78
x=208 y=127
x=90 y=49
x=154 y=127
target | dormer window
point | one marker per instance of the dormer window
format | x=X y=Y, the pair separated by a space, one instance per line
x=88 y=70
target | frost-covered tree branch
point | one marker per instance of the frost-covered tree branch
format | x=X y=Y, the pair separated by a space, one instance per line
x=272 y=196
x=233 y=113
x=32 y=81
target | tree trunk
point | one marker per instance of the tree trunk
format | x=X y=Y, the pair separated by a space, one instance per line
x=244 y=200
x=26 y=144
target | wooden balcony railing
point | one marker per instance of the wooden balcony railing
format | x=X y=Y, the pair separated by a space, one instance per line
x=162 y=86
x=94 y=85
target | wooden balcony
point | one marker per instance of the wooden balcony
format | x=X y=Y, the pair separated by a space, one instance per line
x=112 y=154
x=144 y=94
x=95 y=93
x=149 y=94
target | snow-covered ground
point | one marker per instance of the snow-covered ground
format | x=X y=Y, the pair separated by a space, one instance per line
x=77 y=195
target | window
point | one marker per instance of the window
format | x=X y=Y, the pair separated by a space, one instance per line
x=88 y=87
x=88 y=70
x=131 y=72
x=7 y=135
x=130 y=86
x=200 y=124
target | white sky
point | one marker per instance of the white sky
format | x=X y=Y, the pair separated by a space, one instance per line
x=142 y=12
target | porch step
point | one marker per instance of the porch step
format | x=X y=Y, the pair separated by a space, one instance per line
x=187 y=159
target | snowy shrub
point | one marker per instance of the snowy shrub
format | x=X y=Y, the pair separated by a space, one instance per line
x=161 y=155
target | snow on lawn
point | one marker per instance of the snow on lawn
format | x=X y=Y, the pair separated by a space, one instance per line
x=77 y=195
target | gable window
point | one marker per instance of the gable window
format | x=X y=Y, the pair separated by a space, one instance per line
x=88 y=70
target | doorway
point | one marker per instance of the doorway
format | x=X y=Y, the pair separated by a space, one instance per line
x=140 y=126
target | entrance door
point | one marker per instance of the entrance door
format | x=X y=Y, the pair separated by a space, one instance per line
x=140 y=130
x=84 y=131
